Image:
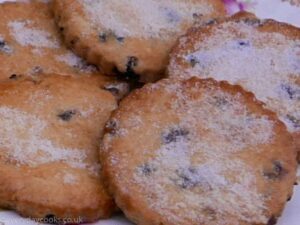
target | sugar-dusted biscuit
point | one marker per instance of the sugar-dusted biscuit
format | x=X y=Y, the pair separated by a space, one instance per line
x=49 y=137
x=198 y=152
x=130 y=36
x=263 y=56
x=30 y=44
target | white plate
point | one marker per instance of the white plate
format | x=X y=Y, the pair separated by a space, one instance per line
x=265 y=9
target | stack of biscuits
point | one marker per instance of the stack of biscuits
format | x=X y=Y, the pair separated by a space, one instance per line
x=170 y=111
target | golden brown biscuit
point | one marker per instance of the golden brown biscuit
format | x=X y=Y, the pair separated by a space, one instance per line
x=30 y=44
x=130 y=36
x=49 y=137
x=263 y=56
x=198 y=152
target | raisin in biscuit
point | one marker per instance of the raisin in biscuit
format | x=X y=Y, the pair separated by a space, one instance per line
x=49 y=137
x=30 y=44
x=198 y=152
x=131 y=36
x=263 y=56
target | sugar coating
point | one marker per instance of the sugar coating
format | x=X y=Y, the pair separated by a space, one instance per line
x=200 y=166
x=40 y=97
x=22 y=141
x=68 y=177
x=26 y=35
x=74 y=61
x=231 y=129
x=212 y=189
x=267 y=64
x=144 y=19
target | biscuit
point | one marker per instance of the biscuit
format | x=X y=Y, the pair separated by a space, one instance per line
x=49 y=161
x=263 y=56
x=30 y=44
x=132 y=37
x=198 y=152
